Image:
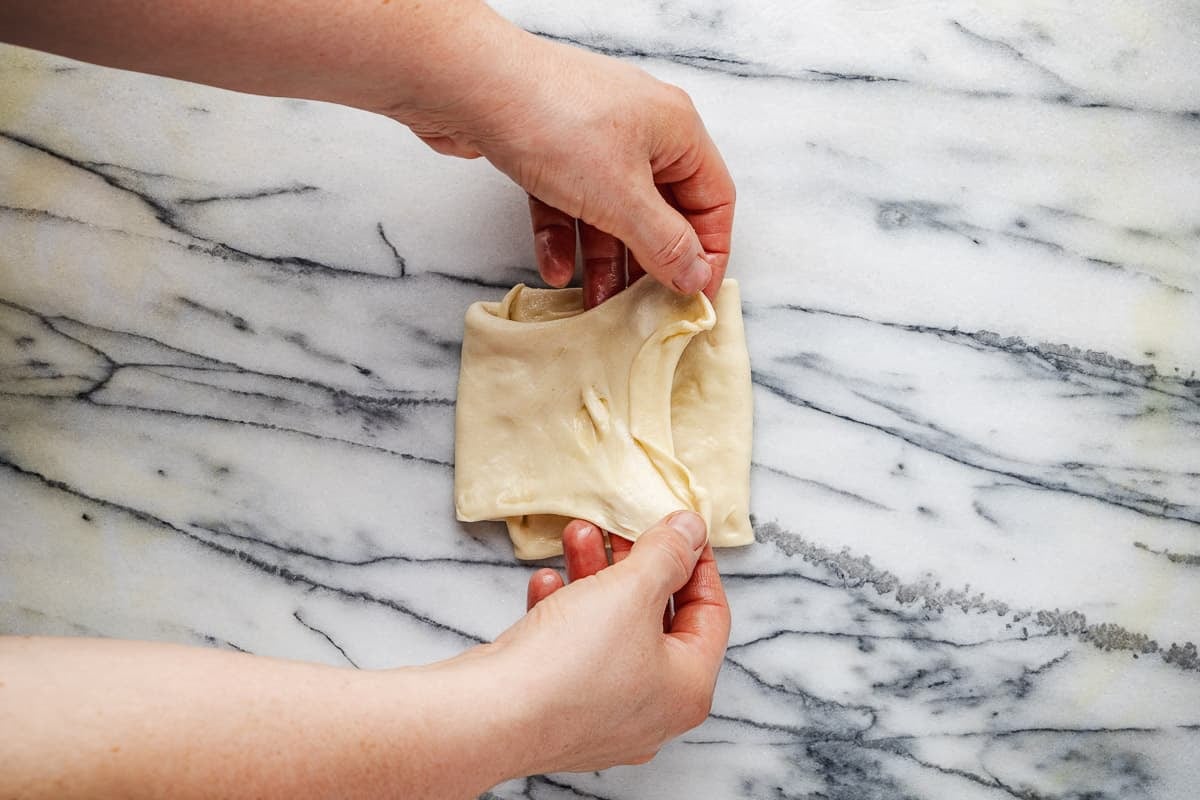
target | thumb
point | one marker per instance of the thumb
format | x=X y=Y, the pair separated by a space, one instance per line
x=666 y=554
x=665 y=243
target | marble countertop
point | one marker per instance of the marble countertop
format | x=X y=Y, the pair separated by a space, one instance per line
x=969 y=246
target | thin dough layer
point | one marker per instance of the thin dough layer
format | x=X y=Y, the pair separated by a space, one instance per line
x=618 y=415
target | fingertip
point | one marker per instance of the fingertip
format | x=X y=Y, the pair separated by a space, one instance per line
x=693 y=276
x=666 y=554
x=691 y=525
x=542 y=584
x=718 y=262
x=555 y=265
x=577 y=531
x=583 y=548
x=557 y=273
x=553 y=243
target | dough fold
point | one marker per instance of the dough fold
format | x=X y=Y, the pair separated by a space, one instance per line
x=618 y=415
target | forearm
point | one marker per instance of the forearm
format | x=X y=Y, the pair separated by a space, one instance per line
x=98 y=718
x=396 y=57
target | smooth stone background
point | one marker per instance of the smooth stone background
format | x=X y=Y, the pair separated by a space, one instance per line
x=969 y=246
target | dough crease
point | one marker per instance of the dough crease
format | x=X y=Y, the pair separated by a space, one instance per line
x=618 y=415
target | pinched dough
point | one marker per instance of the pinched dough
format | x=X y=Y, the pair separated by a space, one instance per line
x=618 y=415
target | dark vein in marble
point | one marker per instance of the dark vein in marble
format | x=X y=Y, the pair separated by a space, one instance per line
x=713 y=61
x=1067 y=92
x=893 y=215
x=859 y=571
x=1023 y=684
x=222 y=529
x=1062 y=358
x=736 y=67
x=368 y=405
x=810 y=701
x=470 y=280
x=905 y=638
x=401 y=264
x=342 y=401
x=214 y=641
x=343 y=398
x=984 y=514
x=170 y=219
x=241 y=556
x=1137 y=502
x=1188 y=559
x=770 y=727
x=325 y=636
x=238 y=323
x=846 y=493
x=547 y=781
x=295 y=189
x=191 y=415
x=1033 y=730
x=990 y=782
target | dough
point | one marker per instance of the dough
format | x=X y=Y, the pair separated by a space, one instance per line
x=618 y=415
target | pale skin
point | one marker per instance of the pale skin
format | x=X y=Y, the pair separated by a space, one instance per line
x=593 y=675
x=590 y=139
x=587 y=679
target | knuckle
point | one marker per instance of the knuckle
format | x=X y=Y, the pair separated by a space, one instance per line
x=679 y=99
x=671 y=548
x=675 y=253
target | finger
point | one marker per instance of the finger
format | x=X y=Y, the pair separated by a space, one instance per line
x=702 y=611
x=663 y=241
x=583 y=546
x=704 y=193
x=542 y=584
x=663 y=557
x=603 y=265
x=620 y=547
x=633 y=270
x=553 y=242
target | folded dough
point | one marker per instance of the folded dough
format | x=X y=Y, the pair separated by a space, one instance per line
x=618 y=415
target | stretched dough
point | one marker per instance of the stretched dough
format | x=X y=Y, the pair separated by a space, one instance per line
x=618 y=415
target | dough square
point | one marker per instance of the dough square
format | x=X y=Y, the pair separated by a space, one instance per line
x=618 y=415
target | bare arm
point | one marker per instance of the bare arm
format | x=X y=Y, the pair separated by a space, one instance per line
x=100 y=718
x=369 y=54
x=595 y=142
x=94 y=718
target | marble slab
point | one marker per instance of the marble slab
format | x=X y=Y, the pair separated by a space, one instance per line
x=969 y=246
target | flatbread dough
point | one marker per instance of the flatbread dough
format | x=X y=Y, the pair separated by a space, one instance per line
x=618 y=415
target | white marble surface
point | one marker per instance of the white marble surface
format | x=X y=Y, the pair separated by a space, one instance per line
x=969 y=245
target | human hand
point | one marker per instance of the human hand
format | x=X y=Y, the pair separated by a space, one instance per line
x=598 y=143
x=605 y=683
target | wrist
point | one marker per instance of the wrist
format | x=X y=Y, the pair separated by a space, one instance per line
x=462 y=719
x=457 y=70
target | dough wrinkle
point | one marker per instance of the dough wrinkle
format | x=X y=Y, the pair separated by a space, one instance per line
x=619 y=415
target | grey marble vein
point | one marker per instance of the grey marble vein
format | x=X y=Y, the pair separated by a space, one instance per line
x=969 y=248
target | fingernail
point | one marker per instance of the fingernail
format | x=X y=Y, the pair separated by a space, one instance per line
x=693 y=277
x=561 y=272
x=691 y=525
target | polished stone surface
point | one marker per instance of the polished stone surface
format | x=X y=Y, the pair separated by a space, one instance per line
x=969 y=246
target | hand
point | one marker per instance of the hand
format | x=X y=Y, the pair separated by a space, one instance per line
x=597 y=142
x=607 y=685
x=588 y=137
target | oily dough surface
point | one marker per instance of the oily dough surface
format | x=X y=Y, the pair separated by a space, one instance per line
x=618 y=415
